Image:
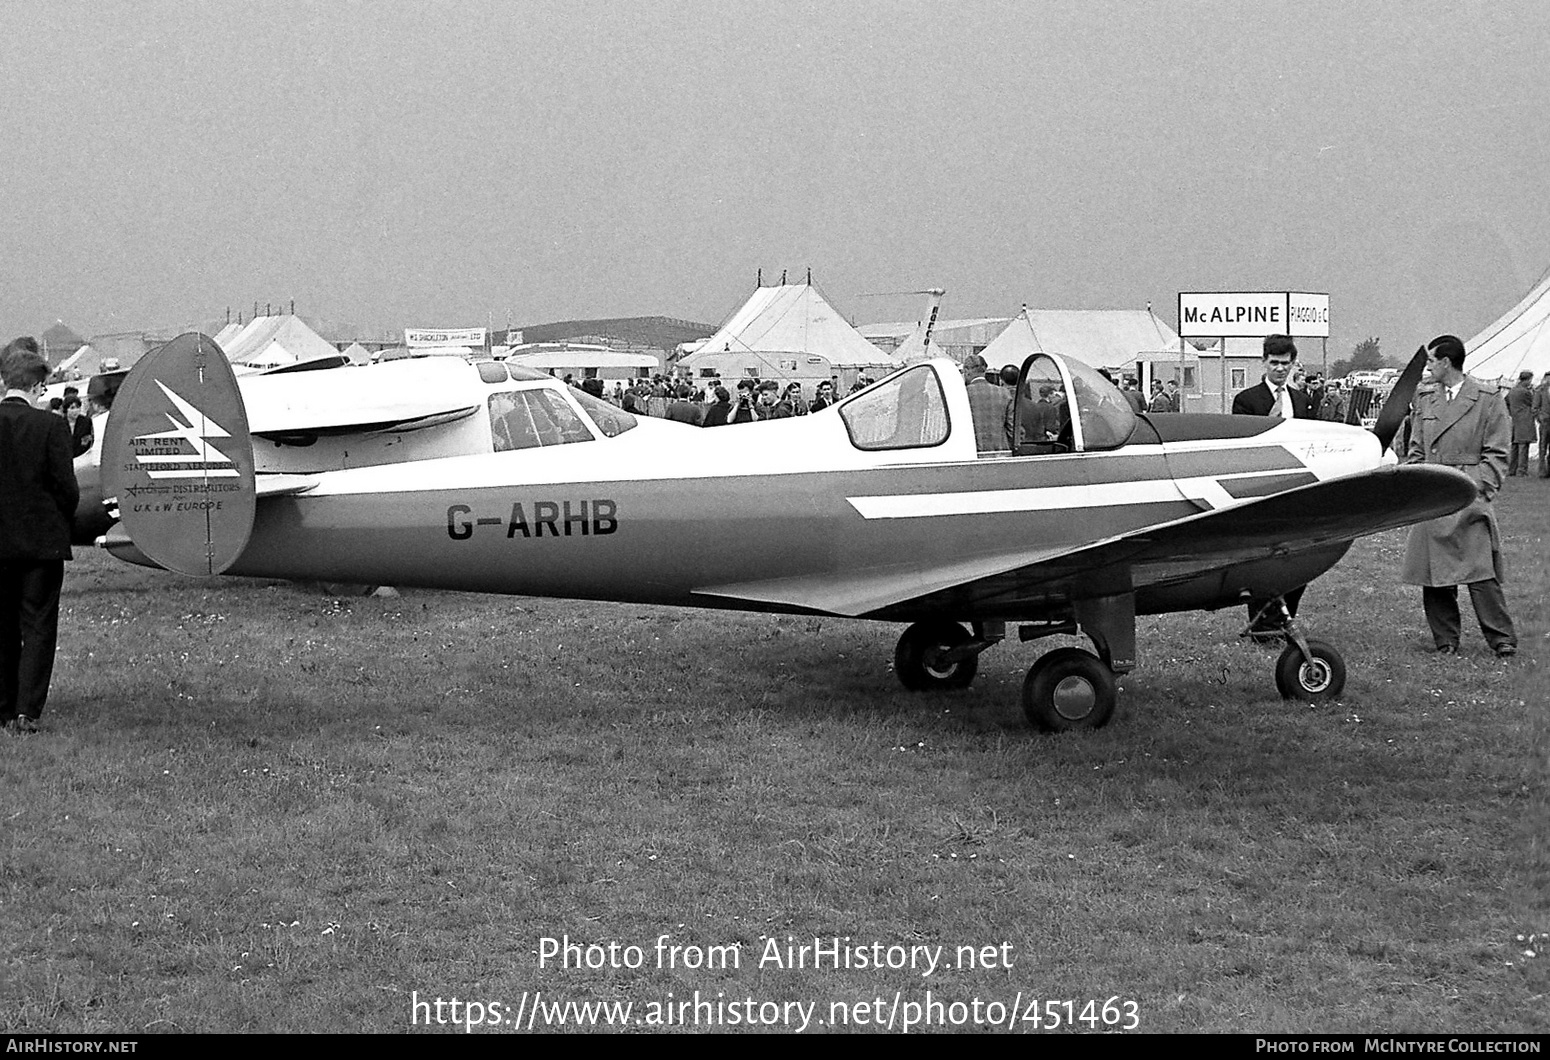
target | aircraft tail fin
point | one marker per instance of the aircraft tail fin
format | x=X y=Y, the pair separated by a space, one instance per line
x=178 y=456
x=933 y=306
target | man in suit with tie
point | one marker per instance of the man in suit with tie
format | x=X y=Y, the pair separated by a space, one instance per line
x=1273 y=396
x=38 y=495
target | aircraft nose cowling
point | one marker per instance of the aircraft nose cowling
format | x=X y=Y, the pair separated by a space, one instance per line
x=1331 y=450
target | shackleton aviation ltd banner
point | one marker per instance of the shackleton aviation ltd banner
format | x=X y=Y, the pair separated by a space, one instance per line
x=417 y=338
x=178 y=456
x=1252 y=314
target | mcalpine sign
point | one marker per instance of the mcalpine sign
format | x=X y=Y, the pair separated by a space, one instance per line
x=1251 y=314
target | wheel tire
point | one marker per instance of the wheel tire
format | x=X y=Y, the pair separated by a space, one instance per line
x=917 y=658
x=1322 y=678
x=1069 y=689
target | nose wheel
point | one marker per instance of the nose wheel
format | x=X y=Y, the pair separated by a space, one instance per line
x=1069 y=689
x=1310 y=670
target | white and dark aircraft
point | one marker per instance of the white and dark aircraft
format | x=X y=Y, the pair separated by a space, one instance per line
x=881 y=507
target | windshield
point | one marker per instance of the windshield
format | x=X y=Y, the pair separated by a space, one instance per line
x=527 y=419
x=1052 y=389
x=610 y=419
x=1106 y=417
x=906 y=411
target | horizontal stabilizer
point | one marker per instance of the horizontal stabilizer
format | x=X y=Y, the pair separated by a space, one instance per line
x=285 y=485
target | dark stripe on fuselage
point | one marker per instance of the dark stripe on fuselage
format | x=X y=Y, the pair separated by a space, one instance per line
x=1232 y=461
x=1264 y=486
x=1208 y=426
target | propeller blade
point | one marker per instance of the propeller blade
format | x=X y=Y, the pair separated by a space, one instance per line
x=1397 y=407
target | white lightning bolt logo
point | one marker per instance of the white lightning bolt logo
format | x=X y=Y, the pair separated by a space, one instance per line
x=206 y=456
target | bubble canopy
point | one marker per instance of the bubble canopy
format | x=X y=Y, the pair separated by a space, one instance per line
x=1103 y=418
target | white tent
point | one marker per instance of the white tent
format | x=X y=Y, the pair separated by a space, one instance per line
x=916 y=348
x=227 y=334
x=1101 y=338
x=267 y=342
x=779 y=331
x=1518 y=340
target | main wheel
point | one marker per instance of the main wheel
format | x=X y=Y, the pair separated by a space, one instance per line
x=918 y=658
x=1069 y=689
x=1314 y=680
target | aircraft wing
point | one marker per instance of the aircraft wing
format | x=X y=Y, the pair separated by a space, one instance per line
x=399 y=396
x=1285 y=524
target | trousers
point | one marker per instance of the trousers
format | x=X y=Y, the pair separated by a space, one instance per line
x=1442 y=613
x=29 y=630
x=1517 y=463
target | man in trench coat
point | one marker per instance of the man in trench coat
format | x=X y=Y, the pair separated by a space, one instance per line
x=1460 y=425
x=1520 y=410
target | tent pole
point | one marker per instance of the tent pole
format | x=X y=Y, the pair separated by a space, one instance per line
x=1223 y=341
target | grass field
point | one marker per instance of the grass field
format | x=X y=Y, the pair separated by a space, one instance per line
x=258 y=807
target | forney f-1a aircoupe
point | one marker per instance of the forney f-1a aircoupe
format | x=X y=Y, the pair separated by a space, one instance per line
x=880 y=507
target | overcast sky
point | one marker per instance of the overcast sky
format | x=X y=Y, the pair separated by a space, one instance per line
x=452 y=164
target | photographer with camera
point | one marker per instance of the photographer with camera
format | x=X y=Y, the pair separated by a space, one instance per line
x=746 y=410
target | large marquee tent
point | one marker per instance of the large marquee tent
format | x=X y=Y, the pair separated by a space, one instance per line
x=1519 y=340
x=1101 y=338
x=787 y=332
x=272 y=341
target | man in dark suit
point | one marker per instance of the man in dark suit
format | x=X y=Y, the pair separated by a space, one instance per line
x=1272 y=396
x=38 y=495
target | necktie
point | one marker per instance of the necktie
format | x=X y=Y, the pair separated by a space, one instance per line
x=1280 y=406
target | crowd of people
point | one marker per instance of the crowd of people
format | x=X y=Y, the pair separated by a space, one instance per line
x=77 y=416
x=1528 y=410
x=713 y=404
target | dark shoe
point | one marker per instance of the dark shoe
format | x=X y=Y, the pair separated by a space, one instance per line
x=26 y=724
x=1506 y=651
x=1447 y=649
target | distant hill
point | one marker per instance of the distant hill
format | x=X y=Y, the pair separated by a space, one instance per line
x=663 y=333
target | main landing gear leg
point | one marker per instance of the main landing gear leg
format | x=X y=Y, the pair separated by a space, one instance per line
x=1074 y=689
x=937 y=654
